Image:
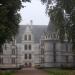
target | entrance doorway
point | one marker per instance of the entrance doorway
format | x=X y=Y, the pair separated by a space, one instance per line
x=28 y=65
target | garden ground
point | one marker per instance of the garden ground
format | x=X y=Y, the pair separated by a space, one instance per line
x=33 y=71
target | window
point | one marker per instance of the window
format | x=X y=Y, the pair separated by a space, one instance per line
x=29 y=46
x=66 y=57
x=29 y=37
x=25 y=56
x=30 y=56
x=42 y=51
x=25 y=46
x=5 y=47
x=13 y=51
x=1 y=50
x=30 y=64
x=13 y=42
x=25 y=38
x=42 y=60
x=54 y=52
x=26 y=64
x=66 y=44
x=13 y=61
x=1 y=60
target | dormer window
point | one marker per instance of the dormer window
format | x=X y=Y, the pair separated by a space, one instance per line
x=25 y=38
x=29 y=38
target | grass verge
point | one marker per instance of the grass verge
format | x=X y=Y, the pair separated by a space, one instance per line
x=60 y=72
x=8 y=72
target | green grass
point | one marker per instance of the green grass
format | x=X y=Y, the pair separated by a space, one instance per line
x=6 y=72
x=60 y=72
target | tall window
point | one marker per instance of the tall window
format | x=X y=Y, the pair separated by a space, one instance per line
x=66 y=57
x=42 y=60
x=54 y=52
x=42 y=51
x=25 y=56
x=13 y=61
x=1 y=50
x=26 y=64
x=29 y=46
x=66 y=44
x=30 y=64
x=25 y=47
x=13 y=51
x=30 y=56
x=25 y=37
x=5 y=47
x=1 y=60
x=29 y=38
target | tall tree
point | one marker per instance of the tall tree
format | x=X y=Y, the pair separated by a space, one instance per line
x=9 y=18
x=62 y=14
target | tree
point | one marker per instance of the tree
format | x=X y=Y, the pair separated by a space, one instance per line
x=62 y=14
x=9 y=18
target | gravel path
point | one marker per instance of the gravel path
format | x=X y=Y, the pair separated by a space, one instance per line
x=30 y=72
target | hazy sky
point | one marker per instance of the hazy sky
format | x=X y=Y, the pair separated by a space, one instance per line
x=34 y=11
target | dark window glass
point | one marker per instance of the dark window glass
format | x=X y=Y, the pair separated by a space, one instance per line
x=29 y=47
x=30 y=64
x=42 y=60
x=25 y=56
x=30 y=56
x=66 y=44
x=26 y=64
x=1 y=60
x=42 y=51
x=66 y=58
x=13 y=51
x=25 y=37
x=25 y=46
x=13 y=61
x=29 y=37
x=5 y=47
x=1 y=50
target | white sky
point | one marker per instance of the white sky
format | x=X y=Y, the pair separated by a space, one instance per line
x=34 y=11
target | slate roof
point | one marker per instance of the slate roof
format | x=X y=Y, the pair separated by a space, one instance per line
x=51 y=27
x=37 y=31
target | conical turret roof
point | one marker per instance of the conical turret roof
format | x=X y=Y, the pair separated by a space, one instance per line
x=51 y=27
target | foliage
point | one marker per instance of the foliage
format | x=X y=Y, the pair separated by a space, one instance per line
x=62 y=14
x=9 y=18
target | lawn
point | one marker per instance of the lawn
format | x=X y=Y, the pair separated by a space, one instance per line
x=6 y=72
x=60 y=72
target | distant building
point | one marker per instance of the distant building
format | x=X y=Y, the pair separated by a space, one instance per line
x=36 y=45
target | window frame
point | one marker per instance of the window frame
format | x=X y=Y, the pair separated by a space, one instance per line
x=25 y=56
x=30 y=47
x=25 y=47
x=25 y=37
x=29 y=37
x=30 y=56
